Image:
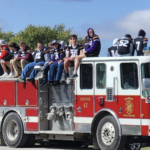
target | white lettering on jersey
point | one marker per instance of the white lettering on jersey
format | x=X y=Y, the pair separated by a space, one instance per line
x=138 y=45
x=112 y=53
x=74 y=52
x=23 y=55
x=38 y=55
x=56 y=55
x=123 y=43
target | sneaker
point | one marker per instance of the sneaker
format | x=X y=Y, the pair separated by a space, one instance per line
x=16 y=76
x=56 y=83
x=68 y=81
x=43 y=82
x=5 y=75
x=73 y=76
x=49 y=83
x=30 y=80
x=11 y=75
x=20 y=80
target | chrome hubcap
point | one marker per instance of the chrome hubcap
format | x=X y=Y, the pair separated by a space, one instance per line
x=108 y=133
x=12 y=130
x=135 y=146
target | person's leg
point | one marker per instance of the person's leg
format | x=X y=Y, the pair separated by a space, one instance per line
x=35 y=71
x=52 y=71
x=27 y=69
x=4 y=68
x=11 y=66
x=3 y=64
x=24 y=63
x=77 y=63
x=45 y=74
x=66 y=65
x=59 y=71
x=16 y=66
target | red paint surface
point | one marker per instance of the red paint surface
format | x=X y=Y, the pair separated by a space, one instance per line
x=86 y=106
x=145 y=130
x=7 y=92
x=27 y=91
x=32 y=112
x=145 y=109
x=32 y=126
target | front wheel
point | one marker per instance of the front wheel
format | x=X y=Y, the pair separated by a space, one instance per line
x=107 y=134
x=13 y=131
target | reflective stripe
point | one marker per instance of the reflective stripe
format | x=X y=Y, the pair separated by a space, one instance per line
x=83 y=119
x=31 y=119
x=129 y=121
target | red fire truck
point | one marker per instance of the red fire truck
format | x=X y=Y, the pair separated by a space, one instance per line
x=107 y=104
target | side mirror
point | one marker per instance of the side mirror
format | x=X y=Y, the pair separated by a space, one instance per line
x=146 y=84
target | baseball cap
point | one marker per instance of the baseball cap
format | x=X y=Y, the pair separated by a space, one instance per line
x=2 y=42
x=54 y=42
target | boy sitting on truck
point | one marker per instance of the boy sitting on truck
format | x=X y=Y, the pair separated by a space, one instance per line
x=4 y=52
x=72 y=51
x=55 y=63
x=41 y=56
x=139 y=43
x=92 y=51
x=24 y=57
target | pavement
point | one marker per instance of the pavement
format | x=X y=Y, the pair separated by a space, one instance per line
x=45 y=148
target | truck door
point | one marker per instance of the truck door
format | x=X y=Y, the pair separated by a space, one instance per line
x=84 y=93
x=129 y=99
x=105 y=89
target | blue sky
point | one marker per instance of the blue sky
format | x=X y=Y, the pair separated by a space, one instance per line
x=110 y=18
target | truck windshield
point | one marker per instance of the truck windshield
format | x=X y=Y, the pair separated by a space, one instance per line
x=145 y=73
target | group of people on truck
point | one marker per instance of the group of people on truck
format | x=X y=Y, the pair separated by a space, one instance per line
x=52 y=60
x=126 y=46
x=56 y=58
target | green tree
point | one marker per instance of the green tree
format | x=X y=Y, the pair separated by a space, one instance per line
x=6 y=35
x=32 y=34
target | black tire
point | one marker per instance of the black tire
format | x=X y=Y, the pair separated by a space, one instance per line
x=107 y=134
x=2 y=143
x=13 y=131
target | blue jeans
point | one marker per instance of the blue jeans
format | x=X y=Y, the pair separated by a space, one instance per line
x=30 y=66
x=45 y=74
x=52 y=70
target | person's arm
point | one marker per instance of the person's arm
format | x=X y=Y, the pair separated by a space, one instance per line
x=131 y=49
x=94 y=45
x=145 y=41
x=4 y=53
x=27 y=56
x=8 y=57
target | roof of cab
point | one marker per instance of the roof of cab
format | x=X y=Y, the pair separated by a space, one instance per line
x=130 y=58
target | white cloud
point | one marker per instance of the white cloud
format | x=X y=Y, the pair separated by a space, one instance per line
x=135 y=21
x=131 y=24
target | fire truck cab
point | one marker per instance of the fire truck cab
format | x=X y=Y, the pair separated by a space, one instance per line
x=108 y=103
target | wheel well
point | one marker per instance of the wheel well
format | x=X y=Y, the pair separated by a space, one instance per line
x=5 y=117
x=98 y=117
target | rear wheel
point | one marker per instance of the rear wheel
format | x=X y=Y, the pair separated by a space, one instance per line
x=107 y=134
x=13 y=131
